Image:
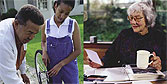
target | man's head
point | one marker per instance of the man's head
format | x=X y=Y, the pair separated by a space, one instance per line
x=62 y=9
x=27 y=23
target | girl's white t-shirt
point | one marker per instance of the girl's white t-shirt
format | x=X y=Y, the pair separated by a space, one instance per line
x=60 y=32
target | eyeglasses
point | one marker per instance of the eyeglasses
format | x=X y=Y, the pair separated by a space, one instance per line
x=137 y=19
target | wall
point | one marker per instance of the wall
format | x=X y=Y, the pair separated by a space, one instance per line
x=19 y=3
x=78 y=9
x=9 y=4
x=49 y=12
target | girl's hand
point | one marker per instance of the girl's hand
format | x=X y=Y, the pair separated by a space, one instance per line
x=54 y=71
x=156 y=62
x=45 y=58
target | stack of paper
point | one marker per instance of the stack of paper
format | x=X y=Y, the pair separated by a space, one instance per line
x=135 y=73
x=127 y=73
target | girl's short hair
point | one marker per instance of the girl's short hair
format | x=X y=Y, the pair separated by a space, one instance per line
x=147 y=9
x=71 y=3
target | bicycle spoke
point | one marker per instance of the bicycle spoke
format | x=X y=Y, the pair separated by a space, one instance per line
x=40 y=68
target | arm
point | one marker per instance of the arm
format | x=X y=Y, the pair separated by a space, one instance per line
x=109 y=60
x=45 y=57
x=22 y=67
x=77 y=46
x=159 y=58
x=73 y=55
x=111 y=57
x=8 y=64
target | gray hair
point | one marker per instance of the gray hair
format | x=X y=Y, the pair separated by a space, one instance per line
x=147 y=9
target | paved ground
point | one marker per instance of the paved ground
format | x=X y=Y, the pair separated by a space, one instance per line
x=31 y=73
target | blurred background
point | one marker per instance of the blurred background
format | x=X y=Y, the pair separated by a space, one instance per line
x=106 y=18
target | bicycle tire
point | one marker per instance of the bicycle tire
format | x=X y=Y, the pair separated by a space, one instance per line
x=40 y=68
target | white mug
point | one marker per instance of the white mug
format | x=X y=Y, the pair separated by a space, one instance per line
x=143 y=59
x=93 y=39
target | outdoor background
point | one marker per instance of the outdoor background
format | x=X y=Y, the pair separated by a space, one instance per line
x=35 y=44
x=9 y=8
x=106 y=18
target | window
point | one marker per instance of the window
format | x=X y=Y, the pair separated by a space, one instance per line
x=33 y=2
x=42 y=4
x=81 y=1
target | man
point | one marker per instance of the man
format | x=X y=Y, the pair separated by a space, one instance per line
x=15 y=32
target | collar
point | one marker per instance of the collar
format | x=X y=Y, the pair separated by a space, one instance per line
x=146 y=35
x=66 y=21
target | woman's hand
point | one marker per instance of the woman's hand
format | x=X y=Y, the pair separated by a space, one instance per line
x=156 y=62
x=54 y=71
x=93 y=64
x=45 y=58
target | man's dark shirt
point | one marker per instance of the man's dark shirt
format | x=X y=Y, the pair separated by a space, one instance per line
x=124 y=48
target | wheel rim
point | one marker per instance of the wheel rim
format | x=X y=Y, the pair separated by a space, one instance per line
x=41 y=70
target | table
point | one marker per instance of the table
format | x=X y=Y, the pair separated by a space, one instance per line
x=118 y=76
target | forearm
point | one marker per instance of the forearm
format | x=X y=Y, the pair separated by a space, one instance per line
x=22 y=67
x=43 y=39
x=71 y=57
x=44 y=47
x=77 y=46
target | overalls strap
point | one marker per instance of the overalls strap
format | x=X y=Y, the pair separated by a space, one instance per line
x=48 y=26
x=70 y=26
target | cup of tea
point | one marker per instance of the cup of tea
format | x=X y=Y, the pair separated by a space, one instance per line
x=143 y=59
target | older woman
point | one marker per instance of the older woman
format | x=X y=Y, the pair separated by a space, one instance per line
x=141 y=36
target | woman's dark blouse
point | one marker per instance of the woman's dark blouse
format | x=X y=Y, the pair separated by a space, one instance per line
x=124 y=48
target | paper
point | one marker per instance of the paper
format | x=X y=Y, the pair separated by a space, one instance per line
x=135 y=73
x=141 y=82
x=116 y=74
x=93 y=56
x=89 y=70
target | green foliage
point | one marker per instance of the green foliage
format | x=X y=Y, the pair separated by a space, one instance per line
x=106 y=28
x=4 y=16
x=79 y=19
x=161 y=5
x=10 y=14
x=161 y=21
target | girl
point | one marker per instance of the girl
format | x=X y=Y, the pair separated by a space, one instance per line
x=61 y=44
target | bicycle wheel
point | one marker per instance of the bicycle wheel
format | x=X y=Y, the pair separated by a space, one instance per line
x=41 y=70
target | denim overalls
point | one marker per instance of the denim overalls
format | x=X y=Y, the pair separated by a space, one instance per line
x=59 y=49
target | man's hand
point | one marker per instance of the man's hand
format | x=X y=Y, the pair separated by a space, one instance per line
x=25 y=79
